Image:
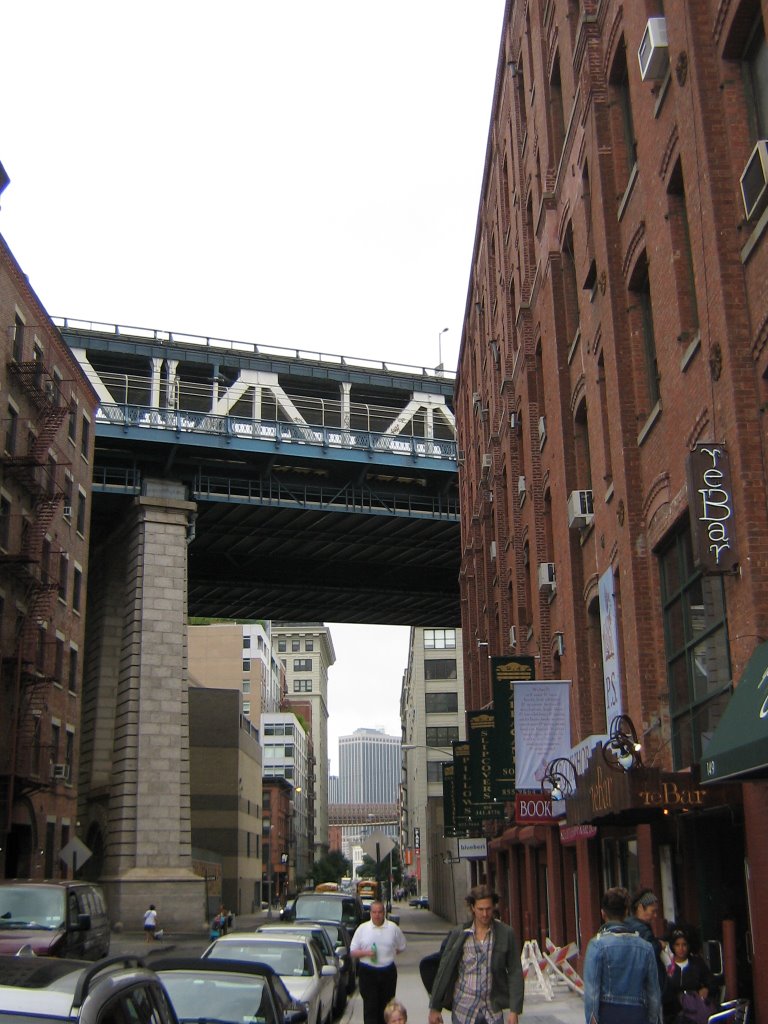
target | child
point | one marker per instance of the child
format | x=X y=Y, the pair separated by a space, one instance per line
x=395 y=1013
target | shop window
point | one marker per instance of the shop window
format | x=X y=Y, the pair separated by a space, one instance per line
x=620 y=863
x=696 y=646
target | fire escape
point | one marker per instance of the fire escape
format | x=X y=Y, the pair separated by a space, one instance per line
x=31 y=564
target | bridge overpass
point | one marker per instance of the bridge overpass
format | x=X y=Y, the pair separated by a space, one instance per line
x=322 y=487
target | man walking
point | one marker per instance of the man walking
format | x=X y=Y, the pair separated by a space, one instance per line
x=479 y=975
x=621 y=983
x=375 y=944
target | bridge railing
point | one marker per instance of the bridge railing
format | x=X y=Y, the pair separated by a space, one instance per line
x=132 y=417
x=154 y=336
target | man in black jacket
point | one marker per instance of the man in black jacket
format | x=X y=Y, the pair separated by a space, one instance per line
x=479 y=976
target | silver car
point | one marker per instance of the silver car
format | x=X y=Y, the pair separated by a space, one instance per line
x=299 y=962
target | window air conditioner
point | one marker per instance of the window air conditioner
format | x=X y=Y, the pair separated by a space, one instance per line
x=67 y=511
x=60 y=771
x=754 y=179
x=559 y=644
x=487 y=463
x=493 y=550
x=580 y=509
x=542 y=430
x=513 y=421
x=653 y=52
x=547 y=576
x=521 y=487
x=513 y=636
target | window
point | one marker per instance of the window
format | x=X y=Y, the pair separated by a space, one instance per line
x=440 y=702
x=442 y=735
x=246 y=643
x=440 y=668
x=82 y=502
x=246 y=707
x=11 y=430
x=696 y=645
x=302 y=664
x=440 y=639
x=302 y=686
x=69 y=751
x=5 y=522
x=85 y=437
x=755 y=66
x=73 y=668
x=58 y=669
x=309 y=645
x=281 y=646
x=434 y=771
x=55 y=741
x=72 y=425
x=625 y=149
x=295 y=645
x=246 y=686
x=18 y=339
x=641 y=321
x=63 y=573
x=77 y=585
x=246 y=664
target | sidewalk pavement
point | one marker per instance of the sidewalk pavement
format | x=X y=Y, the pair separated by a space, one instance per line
x=424 y=932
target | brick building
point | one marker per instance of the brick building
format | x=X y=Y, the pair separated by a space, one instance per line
x=48 y=410
x=616 y=328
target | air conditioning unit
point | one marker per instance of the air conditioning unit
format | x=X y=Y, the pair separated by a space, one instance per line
x=754 y=179
x=580 y=509
x=559 y=644
x=67 y=511
x=476 y=399
x=513 y=421
x=542 y=430
x=547 y=576
x=60 y=771
x=487 y=463
x=492 y=550
x=513 y=636
x=653 y=52
x=521 y=486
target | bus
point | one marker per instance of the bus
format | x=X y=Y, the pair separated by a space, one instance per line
x=368 y=889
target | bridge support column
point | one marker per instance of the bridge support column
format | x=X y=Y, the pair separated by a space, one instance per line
x=136 y=730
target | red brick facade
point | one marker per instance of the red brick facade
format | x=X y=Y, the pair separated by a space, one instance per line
x=617 y=315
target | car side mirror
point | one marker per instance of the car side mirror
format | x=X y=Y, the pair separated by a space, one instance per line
x=296 y=1015
x=327 y=971
x=341 y=951
x=83 y=924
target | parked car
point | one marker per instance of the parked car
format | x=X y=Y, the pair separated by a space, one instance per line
x=42 y=988
x=299 y=963
x=66 y=919
x=342 y=943
x=316 y=932
x=228 y=991
x=329 y=906
x=419 y=901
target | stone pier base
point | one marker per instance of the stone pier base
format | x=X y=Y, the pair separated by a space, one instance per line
x=178 y=895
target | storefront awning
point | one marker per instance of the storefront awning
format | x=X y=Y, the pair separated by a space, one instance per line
x=738 y=748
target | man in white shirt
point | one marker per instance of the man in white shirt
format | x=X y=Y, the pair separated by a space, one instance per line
x=375 y=944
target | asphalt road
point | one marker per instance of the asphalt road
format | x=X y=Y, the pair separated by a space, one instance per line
x=424 y=932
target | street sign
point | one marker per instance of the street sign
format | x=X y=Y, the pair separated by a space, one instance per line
x=75 y=854
x=381 y=840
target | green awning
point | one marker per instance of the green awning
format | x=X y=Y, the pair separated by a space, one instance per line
x=738 y=748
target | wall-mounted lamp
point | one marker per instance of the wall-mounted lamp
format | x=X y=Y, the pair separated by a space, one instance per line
x=559 y=779
x=622 y=751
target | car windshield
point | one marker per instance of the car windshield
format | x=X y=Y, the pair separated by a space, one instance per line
x=31 y=907
x=207 y=996
x=286 y=958
x=313 y=907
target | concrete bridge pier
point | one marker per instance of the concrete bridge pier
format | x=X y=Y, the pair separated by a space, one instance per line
x=134 y=772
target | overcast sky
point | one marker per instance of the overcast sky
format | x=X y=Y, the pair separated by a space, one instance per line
x=288 y=172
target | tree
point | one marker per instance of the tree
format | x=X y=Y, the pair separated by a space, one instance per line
x=331 y=868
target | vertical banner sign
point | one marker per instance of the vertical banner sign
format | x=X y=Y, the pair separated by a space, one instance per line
x=462 y=766
x=609 y=631
x=480 y=729
x=710 y=504
x=449 y=799
x=542 y=728
x=505 y=672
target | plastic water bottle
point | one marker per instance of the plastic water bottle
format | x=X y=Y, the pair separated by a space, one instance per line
x=373 y=953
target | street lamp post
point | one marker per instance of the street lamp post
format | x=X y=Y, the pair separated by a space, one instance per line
x=270 y=875
x=440 y=348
